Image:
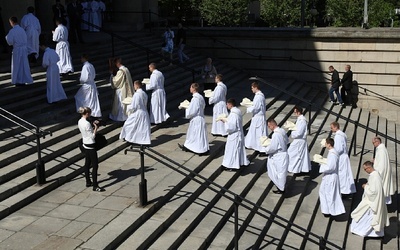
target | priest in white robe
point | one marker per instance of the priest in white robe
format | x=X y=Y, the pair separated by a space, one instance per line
x=258 y=126
x=137 y=128
x=158 y=102
x=31 y=25
x=219 y=101
x=55 y=90
x=370 y=216
x=94 y=16
x=122 y=85
x=299 y=157
x=278 y=159
x=329 y=190
x=102 y=8
x=235 y=153
x=60 y=35
x=196 y=136
x=346 y=179
x=20 y=70
x=87 y=95
x=382 y=165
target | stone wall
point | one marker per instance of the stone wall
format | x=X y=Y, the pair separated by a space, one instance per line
x=373 y=55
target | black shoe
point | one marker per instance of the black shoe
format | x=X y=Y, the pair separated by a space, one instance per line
x=278 y=191
x=98 y=189
x=205 y=153
x=262 y=154
x=182 y=147
x=89 y=184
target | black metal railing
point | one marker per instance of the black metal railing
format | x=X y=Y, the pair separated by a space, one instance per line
x=228 y=194
x=38 y=132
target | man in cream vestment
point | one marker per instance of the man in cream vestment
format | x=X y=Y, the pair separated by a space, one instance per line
x=382 y=165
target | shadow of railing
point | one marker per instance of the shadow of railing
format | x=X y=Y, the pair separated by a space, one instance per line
x=226 y=193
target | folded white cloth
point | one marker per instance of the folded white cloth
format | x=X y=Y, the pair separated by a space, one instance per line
x=323 y=142
x=184 y=105
x=222 y=117
x=146 y=81
x=127 y=100
x=289 y=125
x=319 y=159
x=208 y=93
x=265 y=141
x=246 y=102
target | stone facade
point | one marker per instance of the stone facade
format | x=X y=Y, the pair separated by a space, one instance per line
x=373 y=55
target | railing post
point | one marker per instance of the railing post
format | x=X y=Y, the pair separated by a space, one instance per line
x=322 y=243
x=150 y=23
x=309 y=119
x=143 y=181
x=236 y=236
x=355 y=140
x=112 y=45
x=40 y=173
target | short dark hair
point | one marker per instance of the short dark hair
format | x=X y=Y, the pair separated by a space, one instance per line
x=137 y=82
x=30 y=9
x=298 y=108
x=231 y=101
x=219 y=76
x=13 y=19
x=272 y=120
x=368 y=164
x=86 y=56
x=154 y=65
x=330 y=141
x=255 y=85
x=117 y=60
x=335 y=124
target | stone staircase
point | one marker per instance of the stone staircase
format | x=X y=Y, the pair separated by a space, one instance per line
x=184 y=213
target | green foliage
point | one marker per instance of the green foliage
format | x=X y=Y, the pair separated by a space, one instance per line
x=281 y=12
x=350 y=13
x=223 y=12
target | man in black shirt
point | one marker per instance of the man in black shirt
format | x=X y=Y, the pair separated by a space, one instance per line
x=347 y=82
x=335 y=84
x=181 y=42
x=75 y=11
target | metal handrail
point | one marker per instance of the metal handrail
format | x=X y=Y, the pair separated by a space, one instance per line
x=220 y=190
x=38 y=132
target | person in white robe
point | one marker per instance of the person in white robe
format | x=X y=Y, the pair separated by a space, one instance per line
x=102 y=8
x=31 y=25
x=196 y=136
x=370 y=216
x=137 y=128
x=20 y=70
x=218 y=99
x=258 y=126
x=85 y=14
x=382 y=165
x=87 y=95
x=278 y=158
x=329 y=190
x=60 y=35
x=55 y=90
x=93 y=15
x=299 y=157
x=235 y=152
x=346 y=179
x=158 y=102
x=122 y=85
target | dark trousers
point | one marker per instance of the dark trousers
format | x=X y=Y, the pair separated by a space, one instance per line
x=75 y=31
x=91 y=160
x=348 y=96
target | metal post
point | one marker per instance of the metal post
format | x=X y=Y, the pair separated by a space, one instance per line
x=112 y=45
x=40 y=173
x=365 y=20
x=303 y=6
x=322 y=243
x=236 y=236
x=143 y=181
x=150 y=24
x=309 y=120
x=355 y=140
